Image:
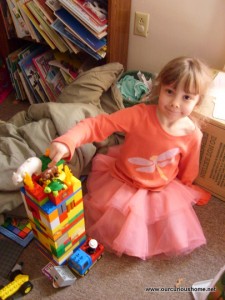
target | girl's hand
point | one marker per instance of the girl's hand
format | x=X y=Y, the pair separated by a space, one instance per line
x=56 y=152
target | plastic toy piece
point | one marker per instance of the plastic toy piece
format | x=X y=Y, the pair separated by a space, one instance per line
x=19 y=282
x=32 y=165
x=54 y=187
x=18 y=230
x=85 y=257
x=62 y=276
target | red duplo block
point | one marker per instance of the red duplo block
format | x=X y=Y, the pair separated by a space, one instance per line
x=63 y=194
x=63 y=216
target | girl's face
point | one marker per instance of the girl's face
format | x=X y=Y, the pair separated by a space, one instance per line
x=175 y=103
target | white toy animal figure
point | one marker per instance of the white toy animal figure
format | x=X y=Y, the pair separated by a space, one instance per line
x=31 y=166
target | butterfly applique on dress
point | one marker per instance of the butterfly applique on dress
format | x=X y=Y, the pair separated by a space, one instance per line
x=155 y=162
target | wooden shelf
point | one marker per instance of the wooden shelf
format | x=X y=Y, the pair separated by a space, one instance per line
x=118 y=33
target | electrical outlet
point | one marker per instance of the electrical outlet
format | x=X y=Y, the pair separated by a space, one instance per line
x=141 y=23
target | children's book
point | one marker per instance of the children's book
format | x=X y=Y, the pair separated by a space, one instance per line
x=32 y=76
x=61 y=28
x=53 y=4
x=28 y=92
x=12 y=64
x=50 y=75
x=71 y=47
x=67 y=64
x=19 y=23
x=79 y=31
x=98 y=30
x=97 y=9
x=48 y=13
x=37 y=25
x=30 y=27
x=51 y=34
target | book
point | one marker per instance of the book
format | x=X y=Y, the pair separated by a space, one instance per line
x=30 y=27
x=31 y=75
x=52 y=35
x=61 y=28
x=28 y=92
x=22 y=54
x=96 y=9
x=69 y=64
x=12 y=64
x=79 y=30
x=37 y=25
x=48 y=13
x=98 y=30
x=50 y=75
x=19 y=23
x=71 y=47
x=53 y=4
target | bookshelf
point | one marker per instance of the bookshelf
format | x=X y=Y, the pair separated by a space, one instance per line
x=117 y=38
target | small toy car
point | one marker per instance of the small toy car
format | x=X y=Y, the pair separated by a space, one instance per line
x=62 y=276
x=19 y=282
x=85 y=257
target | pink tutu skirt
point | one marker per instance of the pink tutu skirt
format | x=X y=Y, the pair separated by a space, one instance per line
x=139 y=222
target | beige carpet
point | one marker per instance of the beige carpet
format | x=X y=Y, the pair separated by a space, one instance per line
x=127 y=278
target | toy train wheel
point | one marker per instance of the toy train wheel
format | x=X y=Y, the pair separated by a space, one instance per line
x=26 y=288
x=85 y=273
x=99 y=257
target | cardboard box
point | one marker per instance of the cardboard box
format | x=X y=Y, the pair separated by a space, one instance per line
x=212 y=160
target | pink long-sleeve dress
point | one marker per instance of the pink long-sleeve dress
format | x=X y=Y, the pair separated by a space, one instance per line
x=140 y=197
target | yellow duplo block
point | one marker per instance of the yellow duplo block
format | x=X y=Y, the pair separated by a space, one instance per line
x=76 y=184
x=78 y=196
x=76 y=211
x=77 y=229
x=44 y=240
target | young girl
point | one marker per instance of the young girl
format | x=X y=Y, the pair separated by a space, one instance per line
x=140 y=193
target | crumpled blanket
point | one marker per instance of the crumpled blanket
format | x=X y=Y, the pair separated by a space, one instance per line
x=30 y=133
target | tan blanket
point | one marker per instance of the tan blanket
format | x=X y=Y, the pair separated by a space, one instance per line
x=30 y=133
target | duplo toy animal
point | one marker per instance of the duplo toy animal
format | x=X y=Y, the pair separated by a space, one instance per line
x=31 y=166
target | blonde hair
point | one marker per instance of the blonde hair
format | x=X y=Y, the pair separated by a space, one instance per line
x=193 y=73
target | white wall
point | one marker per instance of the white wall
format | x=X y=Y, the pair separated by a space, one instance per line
x=178 y=27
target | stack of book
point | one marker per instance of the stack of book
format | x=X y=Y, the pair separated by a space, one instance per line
x=40 y=74
x=66 y=25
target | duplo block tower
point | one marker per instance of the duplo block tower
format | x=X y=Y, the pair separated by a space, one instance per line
x=54 y=205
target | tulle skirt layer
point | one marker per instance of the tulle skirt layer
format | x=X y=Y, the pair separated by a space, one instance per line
x=139 y=222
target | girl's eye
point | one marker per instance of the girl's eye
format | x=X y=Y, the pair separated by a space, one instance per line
x=169 y=91
x=187 y=97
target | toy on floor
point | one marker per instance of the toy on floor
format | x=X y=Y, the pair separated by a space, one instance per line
x=85 y=257
x=54 y=205
x=19 y=282
x=62 y=276
x=18 y=230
